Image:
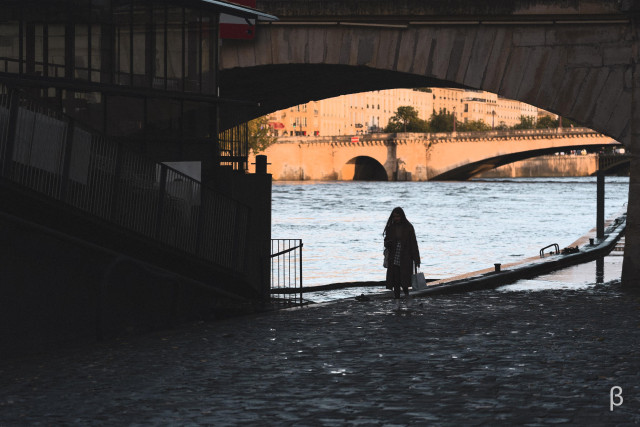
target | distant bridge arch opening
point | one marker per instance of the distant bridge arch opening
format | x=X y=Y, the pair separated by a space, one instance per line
x=472 y=169
x=364 y=168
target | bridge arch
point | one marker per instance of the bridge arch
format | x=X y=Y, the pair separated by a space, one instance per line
x=575 y=59
x=543 y=65
x=364 y=168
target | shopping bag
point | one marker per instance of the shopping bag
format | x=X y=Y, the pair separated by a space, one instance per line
x=418 y=281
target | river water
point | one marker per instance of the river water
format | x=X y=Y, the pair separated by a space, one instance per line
x=460 y=226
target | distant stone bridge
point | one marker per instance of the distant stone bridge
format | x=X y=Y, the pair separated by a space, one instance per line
x=419 y=156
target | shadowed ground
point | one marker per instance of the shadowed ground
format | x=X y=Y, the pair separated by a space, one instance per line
x=537 y=358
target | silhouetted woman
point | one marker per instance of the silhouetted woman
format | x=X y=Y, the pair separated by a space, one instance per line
x=402 y=246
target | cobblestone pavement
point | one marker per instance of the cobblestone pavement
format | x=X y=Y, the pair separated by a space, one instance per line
x=487 y=357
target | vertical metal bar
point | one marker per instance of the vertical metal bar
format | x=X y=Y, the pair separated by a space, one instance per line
x=165 y=47
x=66 y=165
x=600 y=205
x=21 y=42
x=115 y=184
x=5 y=166
x=184 y=53
x=150 y=47
x=199 y=73
x=200 y=221
x=161 y=197
x=131 y=56
x=89 y=52
x=45 y=50
x=69 y=49
x=300 y=243
x=236 y=258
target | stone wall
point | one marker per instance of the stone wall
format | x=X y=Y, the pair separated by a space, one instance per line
x=546 y=166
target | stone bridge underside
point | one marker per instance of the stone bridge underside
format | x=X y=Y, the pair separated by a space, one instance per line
x=575 y=58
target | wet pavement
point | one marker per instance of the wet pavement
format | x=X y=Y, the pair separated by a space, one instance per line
x=494 y=357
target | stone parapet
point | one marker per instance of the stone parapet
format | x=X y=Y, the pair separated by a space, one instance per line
x=421 y=157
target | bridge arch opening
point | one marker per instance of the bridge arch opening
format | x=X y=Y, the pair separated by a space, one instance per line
x=511 y=61
x=364 y=168
x=541 y=64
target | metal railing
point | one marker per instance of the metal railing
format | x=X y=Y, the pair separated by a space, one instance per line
x=42 y=150
x=553 y=245
x=286 y=271
x=234 y=146
x=607 y=161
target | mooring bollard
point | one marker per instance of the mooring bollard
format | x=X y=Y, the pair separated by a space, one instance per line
x=591 y=242
x=261 y=164
x=497 y=267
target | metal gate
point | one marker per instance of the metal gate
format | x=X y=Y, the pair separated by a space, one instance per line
x=286 y=271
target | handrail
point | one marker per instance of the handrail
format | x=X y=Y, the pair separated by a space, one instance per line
x=555 y=245
x=45 y=151
x=286 y=251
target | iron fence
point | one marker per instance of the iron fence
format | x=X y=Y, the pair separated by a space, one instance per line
x=44 y=151
x=234 y=146
x=286 y=271
x=608 y=161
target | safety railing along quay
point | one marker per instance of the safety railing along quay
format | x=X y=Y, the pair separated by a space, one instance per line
x=553 y=245
x=44 y=151
x=286 y=271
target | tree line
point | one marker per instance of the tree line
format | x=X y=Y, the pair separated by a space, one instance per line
x=406 y=120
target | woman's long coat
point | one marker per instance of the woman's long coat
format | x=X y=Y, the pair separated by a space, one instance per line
x=409 y=252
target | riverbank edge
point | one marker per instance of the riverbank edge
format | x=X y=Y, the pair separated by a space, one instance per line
x=509 y=273
x=532 y=267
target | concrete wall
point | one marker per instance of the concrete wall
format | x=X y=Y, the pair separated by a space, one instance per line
x=254 y=190
x=59 y=290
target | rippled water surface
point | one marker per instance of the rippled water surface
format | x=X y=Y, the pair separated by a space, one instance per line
x=461 y=226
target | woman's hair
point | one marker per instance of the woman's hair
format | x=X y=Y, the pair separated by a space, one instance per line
x=397 y=210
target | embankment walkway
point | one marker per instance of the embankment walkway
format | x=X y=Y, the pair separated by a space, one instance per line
x=484 y=357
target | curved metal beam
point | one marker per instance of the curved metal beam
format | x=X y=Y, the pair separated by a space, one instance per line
x=463 y=173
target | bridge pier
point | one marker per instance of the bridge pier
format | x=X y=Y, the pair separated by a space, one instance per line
x=631 y=263
x=391 y=164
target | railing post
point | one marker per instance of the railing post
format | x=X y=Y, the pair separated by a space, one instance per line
x=201 y=218
x=600 y=205
x=300 y=241
x=14 y=103
x=161 y=194
x=236 y=259
x=115 y=199
x=66 y=166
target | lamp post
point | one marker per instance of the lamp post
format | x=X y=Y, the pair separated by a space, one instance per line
x=559 y=123
x=454 y=119
x=493 y=119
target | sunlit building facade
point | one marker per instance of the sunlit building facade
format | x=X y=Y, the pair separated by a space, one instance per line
x=370 y=112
